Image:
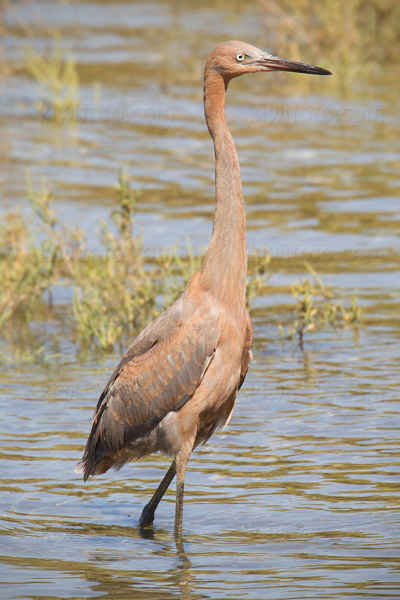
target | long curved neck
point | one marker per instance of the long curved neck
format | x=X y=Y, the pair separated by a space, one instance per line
x=225 y=265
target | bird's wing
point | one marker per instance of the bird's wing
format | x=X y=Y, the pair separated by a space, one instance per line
x=246 y=356
x=158 y=374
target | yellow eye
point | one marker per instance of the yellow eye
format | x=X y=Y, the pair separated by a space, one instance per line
x=239 y=57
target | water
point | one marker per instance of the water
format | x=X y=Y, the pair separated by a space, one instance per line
x=298 y=497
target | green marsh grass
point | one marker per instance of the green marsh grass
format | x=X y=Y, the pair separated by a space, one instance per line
x=317 y=307
x=57 y=76
x=116 y=291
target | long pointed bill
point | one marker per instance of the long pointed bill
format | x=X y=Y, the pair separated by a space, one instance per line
x=274 y=63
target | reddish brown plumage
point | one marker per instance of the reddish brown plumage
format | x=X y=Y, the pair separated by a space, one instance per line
x=179 y=379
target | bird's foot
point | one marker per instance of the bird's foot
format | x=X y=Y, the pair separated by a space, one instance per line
x=146 y=518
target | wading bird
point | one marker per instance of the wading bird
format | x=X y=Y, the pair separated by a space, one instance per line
x=177 y=383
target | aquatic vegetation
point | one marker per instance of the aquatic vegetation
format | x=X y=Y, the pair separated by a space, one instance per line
x=26 y=270
x=57 y=76
x=317 y=307
x=259 y=272
x=116 y=290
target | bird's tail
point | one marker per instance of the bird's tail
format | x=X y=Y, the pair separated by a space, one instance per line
x=95 y=460
x=79 y=467
x=83 y=467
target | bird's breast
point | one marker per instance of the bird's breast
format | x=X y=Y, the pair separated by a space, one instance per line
x=213 y=402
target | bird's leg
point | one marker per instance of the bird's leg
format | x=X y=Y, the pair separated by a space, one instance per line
x=180 y=484
x=181 y=463
x=147 y=516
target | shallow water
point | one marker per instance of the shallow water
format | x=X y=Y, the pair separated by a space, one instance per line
x=298 y=497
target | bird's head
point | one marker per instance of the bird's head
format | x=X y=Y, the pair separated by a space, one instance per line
x=232 y=59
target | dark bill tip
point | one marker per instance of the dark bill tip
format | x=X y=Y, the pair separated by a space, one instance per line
x=274 y=63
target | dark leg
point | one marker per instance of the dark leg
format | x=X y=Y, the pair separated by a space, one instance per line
x=147 y=516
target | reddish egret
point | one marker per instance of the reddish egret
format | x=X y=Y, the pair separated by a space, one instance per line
x=177 y=383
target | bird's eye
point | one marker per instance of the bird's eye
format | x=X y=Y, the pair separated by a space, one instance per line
x=239 y=57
